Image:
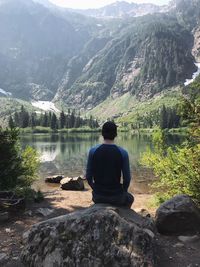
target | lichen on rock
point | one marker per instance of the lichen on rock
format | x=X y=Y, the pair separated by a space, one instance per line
x=100 y=235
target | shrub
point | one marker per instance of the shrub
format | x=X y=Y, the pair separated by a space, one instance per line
x=17 y=167
x=177 y=168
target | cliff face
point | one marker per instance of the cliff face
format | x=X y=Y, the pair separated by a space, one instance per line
x=196 y=48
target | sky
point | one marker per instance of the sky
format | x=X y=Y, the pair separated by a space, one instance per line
x=84 y=4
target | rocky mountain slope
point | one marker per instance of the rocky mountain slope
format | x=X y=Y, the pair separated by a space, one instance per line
x=52 y=53
x=122 y=9
x=146 y=56
x=35 y=46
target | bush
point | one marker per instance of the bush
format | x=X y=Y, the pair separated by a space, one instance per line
x=177 y=168
x=29 y=194
x=17 y=167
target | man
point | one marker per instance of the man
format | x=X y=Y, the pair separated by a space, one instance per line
x=106 y=162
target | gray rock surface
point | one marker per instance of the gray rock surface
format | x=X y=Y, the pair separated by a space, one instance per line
x=44 y=211
x=178 y=216
x=189 y=239
x=99 y=236
x=4 y=216
x=3 y=258
x=75 y=183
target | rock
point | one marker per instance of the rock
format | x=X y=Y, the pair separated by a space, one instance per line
x=178 y=216
x=54 y=179
x=189 y=239
x=178 y=245
x=45 y=211
x=72 y=184
x=99 y=236
x=28 y=213
x=4 y=216
x=3 y=258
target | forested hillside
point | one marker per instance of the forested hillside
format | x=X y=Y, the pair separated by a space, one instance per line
x=150 y=54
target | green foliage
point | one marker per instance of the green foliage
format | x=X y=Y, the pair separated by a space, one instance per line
x=190 y=108
x=17 y=167
x=29 y=194
x=177 y=168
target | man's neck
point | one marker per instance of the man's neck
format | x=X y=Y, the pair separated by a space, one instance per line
x=108 y=142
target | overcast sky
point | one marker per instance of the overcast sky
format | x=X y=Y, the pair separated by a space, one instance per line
x=83 y=4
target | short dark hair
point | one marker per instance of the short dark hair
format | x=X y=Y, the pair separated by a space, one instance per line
x=109 y=130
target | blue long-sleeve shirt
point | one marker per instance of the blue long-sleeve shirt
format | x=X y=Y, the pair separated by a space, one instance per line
x=105 y=164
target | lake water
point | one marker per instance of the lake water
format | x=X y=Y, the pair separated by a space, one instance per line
x=66 y=154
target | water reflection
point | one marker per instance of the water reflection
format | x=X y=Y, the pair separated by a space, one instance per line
x=67 y=153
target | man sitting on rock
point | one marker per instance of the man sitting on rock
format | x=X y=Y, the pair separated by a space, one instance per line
x=106 y=162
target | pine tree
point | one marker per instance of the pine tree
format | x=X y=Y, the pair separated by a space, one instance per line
x=16 y=119
x=62 y=120
x=45 y=120
x=163 y=118
x=11 y=123
x=33 y=120
x=54 y=121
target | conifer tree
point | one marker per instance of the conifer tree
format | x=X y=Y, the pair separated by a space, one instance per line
x=11 y=123
x=53 y=121
x=62 y=120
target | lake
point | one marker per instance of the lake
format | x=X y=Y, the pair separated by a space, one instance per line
x=66 y=154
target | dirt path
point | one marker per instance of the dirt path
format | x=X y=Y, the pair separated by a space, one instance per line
x=60 y=202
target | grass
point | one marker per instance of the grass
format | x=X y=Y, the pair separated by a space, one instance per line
x=40 y=129
x=80 y=130
x=37 y=129
x=126 y=108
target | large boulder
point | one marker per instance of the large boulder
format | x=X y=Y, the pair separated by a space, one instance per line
x=99 y=236
x=178 y=215
x=75 y=183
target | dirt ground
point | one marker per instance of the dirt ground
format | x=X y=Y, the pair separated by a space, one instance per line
x=170 y=251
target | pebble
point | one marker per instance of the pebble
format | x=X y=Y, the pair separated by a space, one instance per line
x=29 y=213
x=178 y=245
x=44 y=211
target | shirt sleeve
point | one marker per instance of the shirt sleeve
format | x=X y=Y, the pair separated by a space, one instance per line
x=89 y=172
x=126 y=171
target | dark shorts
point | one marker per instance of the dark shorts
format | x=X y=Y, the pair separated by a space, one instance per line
x=125 y=199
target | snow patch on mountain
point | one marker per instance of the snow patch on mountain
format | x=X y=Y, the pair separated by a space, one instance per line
x=188 y=81
x=4 y=92
x=45 y=105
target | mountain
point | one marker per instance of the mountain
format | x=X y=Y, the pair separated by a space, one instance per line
x=49 y=53
x=122 y=9
x=35 y=46
x=148 y=55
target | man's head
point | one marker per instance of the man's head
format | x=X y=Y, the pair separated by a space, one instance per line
x=109 y=130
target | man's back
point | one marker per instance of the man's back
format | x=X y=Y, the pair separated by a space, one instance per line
x=106 y=163
x=107 y=166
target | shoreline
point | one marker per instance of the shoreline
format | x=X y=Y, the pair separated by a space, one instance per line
x=145 y=131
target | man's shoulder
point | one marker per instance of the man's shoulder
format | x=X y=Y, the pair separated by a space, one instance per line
x=94 y=148
x=123 y=151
